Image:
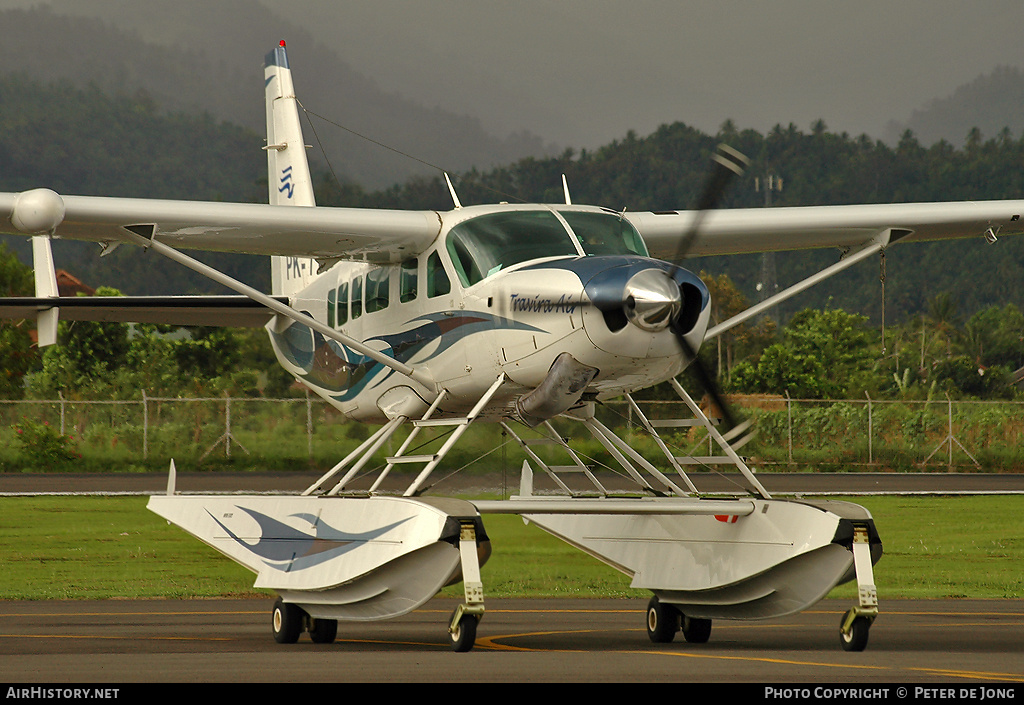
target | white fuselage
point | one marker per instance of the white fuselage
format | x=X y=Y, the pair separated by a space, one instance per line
x=504 y=289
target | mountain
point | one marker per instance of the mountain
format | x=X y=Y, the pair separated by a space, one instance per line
x=991 y=103
x=83 y=141
x=111 y=136
x=215 y=65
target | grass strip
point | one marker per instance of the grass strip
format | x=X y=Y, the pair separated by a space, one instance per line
x=113 y=547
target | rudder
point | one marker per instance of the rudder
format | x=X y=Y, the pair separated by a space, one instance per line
x=289 y=182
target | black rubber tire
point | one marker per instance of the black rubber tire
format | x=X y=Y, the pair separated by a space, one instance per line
x=464 y=635
x=286 y=621
x=857 y=639
x=323 y=631
x=696 y=630
x=662 y=621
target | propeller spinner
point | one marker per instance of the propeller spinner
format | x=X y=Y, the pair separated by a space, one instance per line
x=651 y=300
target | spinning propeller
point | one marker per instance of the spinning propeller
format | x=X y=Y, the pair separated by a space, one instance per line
x=726 y=164
x=655 y=299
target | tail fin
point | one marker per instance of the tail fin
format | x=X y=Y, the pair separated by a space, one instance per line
x=287 y=169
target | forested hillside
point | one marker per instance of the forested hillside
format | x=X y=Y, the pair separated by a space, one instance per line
x=86 y=141
x=665 y=170
x=990 y=102
x=952 y=309
x=216 y=66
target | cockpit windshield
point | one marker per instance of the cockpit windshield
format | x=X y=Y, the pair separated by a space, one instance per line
x=605 y=233
x=485 y=245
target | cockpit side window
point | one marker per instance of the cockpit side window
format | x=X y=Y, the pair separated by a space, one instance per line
x=487 y=244
x=605 y=233
x=438 y=283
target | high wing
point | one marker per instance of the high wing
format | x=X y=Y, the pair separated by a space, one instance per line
x=394 y=235
x=727 y=232
x=252 y=228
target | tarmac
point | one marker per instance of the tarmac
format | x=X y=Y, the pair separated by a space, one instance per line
x=963 y=642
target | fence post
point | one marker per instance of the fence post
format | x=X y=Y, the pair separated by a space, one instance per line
x=789 y=425
x=60 y=395
x=870 y=461
x=949 y=402
x=309 y=424
x=145 y=426
x=227 y=425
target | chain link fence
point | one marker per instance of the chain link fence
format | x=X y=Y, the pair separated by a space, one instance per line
x=304 y=432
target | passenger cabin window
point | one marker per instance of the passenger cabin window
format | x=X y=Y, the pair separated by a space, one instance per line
x=357 y=298
x=605 y=233
x=378 y=285
x=485 y=245
x=342 y=304
x=407 y=278
x=331 y=303
x=438 y=283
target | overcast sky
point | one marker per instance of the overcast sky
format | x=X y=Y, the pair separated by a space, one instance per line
x=583 y=72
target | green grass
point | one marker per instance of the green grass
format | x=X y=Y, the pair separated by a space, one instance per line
x=111 y=547
x=936 y=547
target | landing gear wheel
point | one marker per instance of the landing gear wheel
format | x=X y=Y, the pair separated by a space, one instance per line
x=286 y=622
x=323 y=631
x=857 y=637
x=662 y=621
x=464 y=635
x=695 y=630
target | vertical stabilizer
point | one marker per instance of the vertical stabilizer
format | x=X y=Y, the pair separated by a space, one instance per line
x=287 y=169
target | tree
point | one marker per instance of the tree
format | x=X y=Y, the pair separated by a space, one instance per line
x=744 y=339
x=823 y=354
x=17 y=351
x=86 y=357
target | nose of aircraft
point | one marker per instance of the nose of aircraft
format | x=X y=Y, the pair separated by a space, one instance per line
x=651 y=300
x=640 y=308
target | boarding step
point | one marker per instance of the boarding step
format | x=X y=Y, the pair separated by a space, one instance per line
x=680 y=423
x=424 y=423
x=568 y=468
x=704 y=460
x=412 y=458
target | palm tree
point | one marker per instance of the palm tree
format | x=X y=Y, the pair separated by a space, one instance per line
x=944 y=318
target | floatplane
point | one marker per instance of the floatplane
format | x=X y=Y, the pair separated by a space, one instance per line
x=515 y=314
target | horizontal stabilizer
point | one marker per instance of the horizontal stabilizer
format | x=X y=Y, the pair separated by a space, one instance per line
x=224 y=311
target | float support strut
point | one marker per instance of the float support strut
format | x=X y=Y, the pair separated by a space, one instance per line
x=472 y=584
x=867 y=595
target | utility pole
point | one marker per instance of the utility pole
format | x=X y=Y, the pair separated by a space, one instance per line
x=768 y=284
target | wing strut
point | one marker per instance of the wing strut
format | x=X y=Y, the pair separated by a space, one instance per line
x=878 y=244
x=46 y=287
x=144 y=237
